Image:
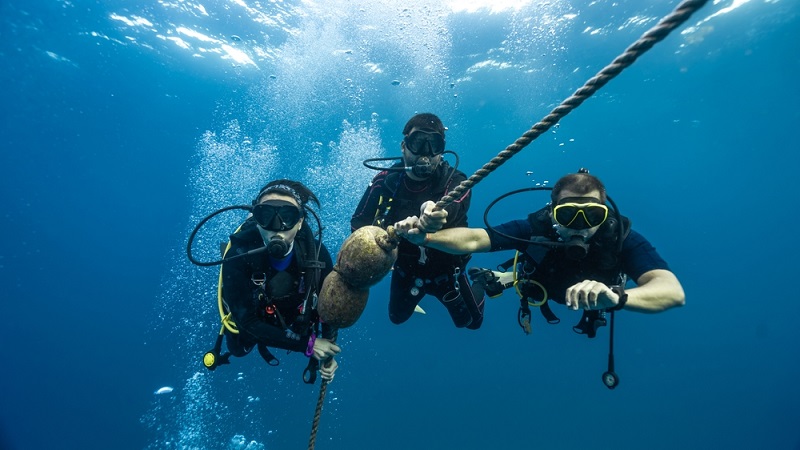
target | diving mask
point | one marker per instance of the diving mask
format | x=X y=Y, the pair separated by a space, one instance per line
x=424 y=143
x=580 y=213
x=276 y=215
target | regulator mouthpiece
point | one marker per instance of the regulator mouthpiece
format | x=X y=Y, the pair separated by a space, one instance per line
x=277 y=247
x=577 y=248
x=422 y=168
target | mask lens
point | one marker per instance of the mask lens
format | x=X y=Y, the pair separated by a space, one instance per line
x=276 y=215
x=580 y=216
x=595 y=214
x=425 y=143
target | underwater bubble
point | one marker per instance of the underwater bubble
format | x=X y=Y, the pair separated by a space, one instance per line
x=395 y=82
x=164 y=390
x=236 y=38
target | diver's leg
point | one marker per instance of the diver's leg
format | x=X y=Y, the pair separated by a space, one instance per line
x=237 y=344
x=403 y=296
x=475 y=300
x=454 y=301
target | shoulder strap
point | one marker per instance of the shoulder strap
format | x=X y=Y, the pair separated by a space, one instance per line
x=247 y=234
x=541 y=229
x=306 y=249
x=311 y=271
x=612 y=234
x=392 y=181
x=445 y=174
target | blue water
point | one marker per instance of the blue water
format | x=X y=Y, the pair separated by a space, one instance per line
x=123 y=123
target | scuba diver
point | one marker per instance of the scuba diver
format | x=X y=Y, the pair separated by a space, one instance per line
x=420 y=178
x=575 y=251
x=272 y=270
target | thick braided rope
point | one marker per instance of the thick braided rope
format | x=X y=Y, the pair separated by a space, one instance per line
x=320 y=402
x=681 y=13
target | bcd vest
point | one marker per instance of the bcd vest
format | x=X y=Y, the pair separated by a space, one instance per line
x=552 y=271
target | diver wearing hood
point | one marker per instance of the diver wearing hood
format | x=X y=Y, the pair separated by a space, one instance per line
x=271 y=295
x=420 y=179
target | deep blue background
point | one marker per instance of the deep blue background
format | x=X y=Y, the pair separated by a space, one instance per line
x=116 y=141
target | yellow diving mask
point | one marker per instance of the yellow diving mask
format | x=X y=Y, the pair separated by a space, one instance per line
x=580 y=213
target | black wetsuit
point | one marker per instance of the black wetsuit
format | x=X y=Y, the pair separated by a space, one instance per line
x=420 y=271
x=263 y=315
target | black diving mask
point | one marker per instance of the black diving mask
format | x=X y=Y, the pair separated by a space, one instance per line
x=424 y=143
x=276 y=215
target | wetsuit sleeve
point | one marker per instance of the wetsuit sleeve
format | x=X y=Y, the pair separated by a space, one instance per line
x=639 y=256
x=365 y=211
x=516 y=228
x=237 y=290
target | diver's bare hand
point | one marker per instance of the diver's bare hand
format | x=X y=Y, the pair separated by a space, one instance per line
x=327 y=369
x=324 y=349
x=431 y=221
x=590 y=294
x=408 y=229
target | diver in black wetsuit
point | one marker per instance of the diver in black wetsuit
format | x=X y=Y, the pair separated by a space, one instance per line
x=272 y=295
x=412 y=185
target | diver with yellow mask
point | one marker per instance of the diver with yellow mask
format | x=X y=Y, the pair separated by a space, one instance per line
x=574 y=251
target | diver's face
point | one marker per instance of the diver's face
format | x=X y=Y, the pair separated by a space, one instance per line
x=289 y=234
x=410 y=158
x=567 y=233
